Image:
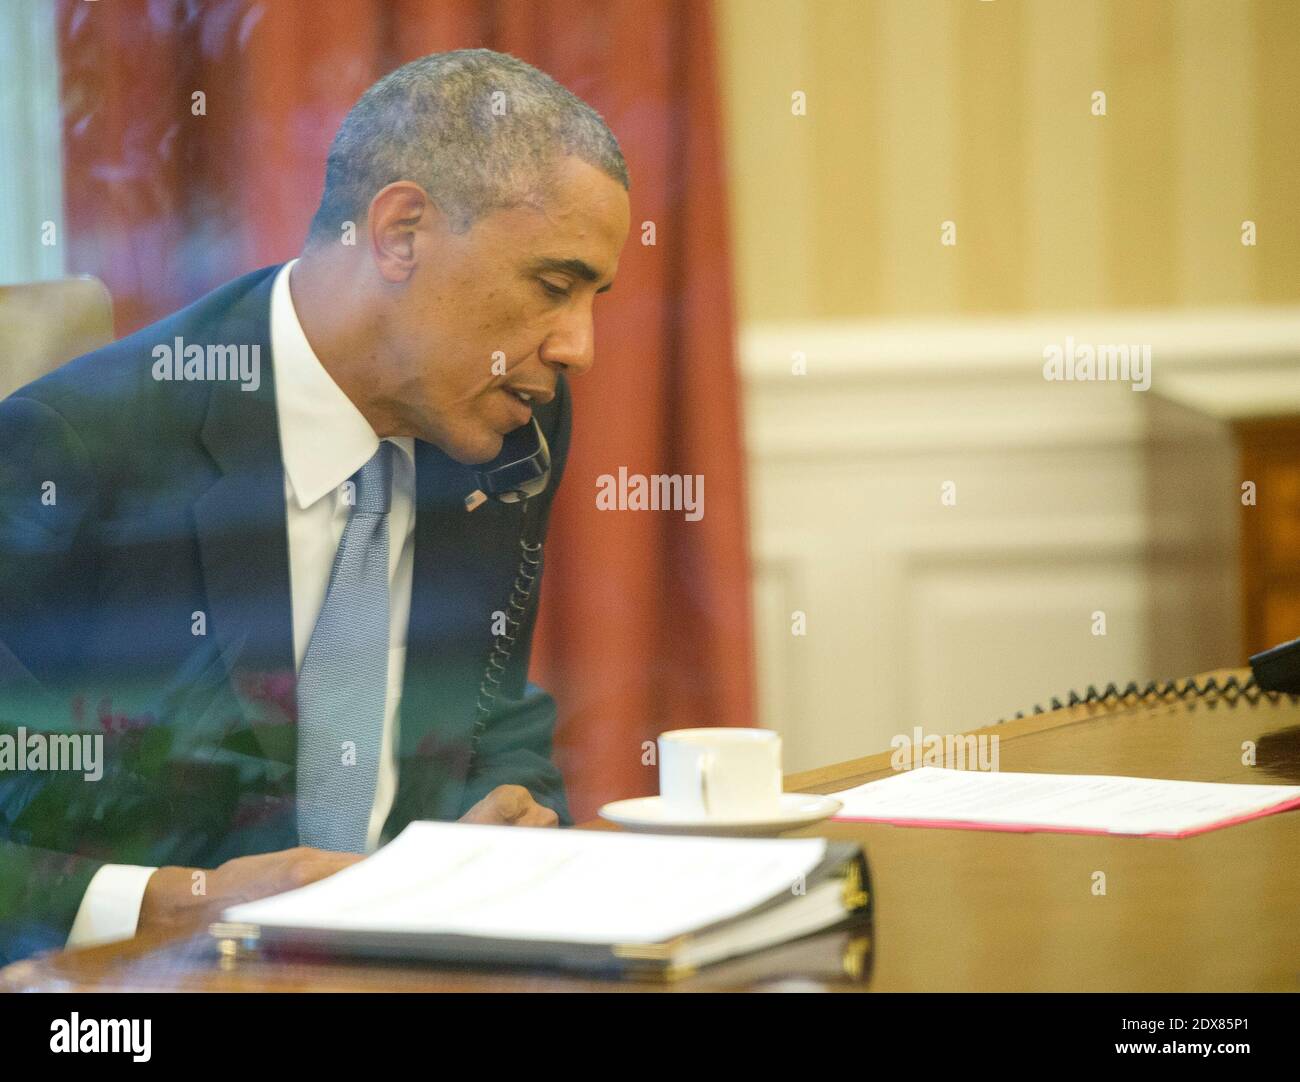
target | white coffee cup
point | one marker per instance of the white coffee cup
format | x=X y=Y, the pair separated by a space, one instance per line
x=720 y=773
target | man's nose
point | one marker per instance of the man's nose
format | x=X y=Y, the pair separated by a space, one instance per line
x=573 y=344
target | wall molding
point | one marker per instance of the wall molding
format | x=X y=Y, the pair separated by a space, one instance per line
x=912 y=350
x=950 y=617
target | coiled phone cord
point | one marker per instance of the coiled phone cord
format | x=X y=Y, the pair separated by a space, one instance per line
x=1168 y=690
x=521 y=593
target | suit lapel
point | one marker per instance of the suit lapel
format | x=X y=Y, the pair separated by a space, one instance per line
x=443 y=643
x=240 y=519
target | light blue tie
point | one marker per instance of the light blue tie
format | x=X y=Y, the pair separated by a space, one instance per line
x=344 y=679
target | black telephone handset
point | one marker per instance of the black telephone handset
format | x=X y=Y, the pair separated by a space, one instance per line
x=521 y=471
x=1278 y=669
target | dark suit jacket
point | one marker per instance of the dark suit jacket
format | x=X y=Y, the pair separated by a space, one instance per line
x=168 y=501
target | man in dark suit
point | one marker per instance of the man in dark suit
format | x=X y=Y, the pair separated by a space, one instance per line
x=236 y=559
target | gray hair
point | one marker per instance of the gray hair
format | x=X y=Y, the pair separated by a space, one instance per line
x=478 y=130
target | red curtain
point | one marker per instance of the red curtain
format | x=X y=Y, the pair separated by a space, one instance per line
x=195 y=137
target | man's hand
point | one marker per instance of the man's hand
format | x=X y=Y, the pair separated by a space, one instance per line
x=511 y=805
x=171 y=903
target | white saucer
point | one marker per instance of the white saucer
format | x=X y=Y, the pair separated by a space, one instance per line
x=648 y=814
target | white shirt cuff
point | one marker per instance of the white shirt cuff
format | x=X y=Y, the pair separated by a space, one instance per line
x=110 y=908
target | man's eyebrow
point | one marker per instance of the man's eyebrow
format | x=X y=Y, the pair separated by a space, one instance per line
x=577 y=267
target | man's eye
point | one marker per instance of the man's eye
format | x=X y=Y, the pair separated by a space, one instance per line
x=554 y=290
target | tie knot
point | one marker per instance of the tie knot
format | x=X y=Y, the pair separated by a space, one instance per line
x=374 y=482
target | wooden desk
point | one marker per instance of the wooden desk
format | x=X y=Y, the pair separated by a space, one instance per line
x=955 y=909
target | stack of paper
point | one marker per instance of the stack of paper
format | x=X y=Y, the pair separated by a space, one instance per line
x=586 y=899
x=1075 y=803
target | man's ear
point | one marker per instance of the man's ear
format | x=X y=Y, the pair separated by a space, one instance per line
x=397 y=213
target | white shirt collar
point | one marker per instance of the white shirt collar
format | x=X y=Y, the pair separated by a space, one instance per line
x=324 y=438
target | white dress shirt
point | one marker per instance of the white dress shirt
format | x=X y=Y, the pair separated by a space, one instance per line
x=324 y=440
